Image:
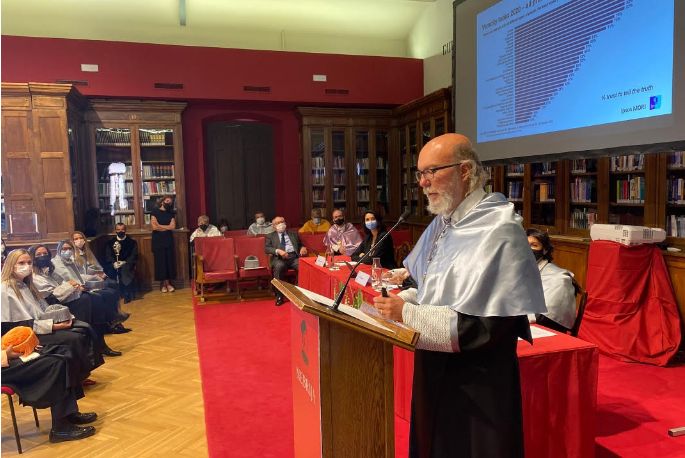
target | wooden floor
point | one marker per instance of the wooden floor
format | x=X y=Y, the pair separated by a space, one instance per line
x=148 y=401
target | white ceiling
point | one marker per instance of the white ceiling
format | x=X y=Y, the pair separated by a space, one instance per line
x=374 y=27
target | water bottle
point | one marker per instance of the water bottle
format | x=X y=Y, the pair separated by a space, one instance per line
x=376 y=274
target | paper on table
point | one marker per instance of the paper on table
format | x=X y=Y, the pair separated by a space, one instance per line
x=538 y=332
x=346 y=309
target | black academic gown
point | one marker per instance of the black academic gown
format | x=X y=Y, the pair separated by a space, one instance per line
x=128 y=253
x=468 y=404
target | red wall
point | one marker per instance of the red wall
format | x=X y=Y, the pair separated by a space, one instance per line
x=213 y=80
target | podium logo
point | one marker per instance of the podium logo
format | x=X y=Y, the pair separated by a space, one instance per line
x=303 y=331
x=655 y=102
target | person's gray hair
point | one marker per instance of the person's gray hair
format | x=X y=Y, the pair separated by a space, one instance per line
x=477 y=174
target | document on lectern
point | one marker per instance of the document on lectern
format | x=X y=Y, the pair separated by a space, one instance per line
x=346 y=309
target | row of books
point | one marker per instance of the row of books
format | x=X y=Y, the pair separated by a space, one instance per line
x=103 y=204
x=155 y=137
x=338 y=162
x=515 y=169
x=583 y=190
x=488 y=172
x=362 y=195
x=583 y=165
x=104 y=172
x=675 y=225
x=411 y=193
x=339 y=178
x=544 y=168
x=676 y=160
x=318 y=195
x=627 y=163
x=129 y=219
x=159 y=187
x=103 y=188
x=338 y=194
x=158 y=171
x=409 y=161
x=113 y=136
x=515 y=190
x=582 y=218
x=630 y=190
x=544 y=192
x=318 y=162
x=676 y=190
x=362 y=177
x=319 y=176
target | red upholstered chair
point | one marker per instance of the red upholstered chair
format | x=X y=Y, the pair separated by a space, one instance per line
x=400 y=236
x=10 y=392
x=251 y=246
x=402 y=250
x=215 y=262
x=580 y=292
x=237 y=233
x=313 y=242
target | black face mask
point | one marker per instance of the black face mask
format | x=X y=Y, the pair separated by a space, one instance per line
x=168 y=206
x=204 y=227
x=339 y=221
x=42 y=260
x=539 y=254
x=121 y=234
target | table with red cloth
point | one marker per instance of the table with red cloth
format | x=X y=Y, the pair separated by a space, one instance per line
x=558 y=379
x=631 y=311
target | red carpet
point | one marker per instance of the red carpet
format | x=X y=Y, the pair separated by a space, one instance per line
x=245 y=365
x=636 y=406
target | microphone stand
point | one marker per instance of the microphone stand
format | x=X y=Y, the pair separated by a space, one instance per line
x=341 y=293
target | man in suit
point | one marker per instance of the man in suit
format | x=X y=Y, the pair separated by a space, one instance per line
x=285 y=248
x=121 y=263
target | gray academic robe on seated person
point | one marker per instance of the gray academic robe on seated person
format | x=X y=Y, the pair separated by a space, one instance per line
x=477 y=279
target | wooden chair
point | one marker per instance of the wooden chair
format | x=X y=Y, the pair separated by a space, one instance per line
x=10 y=393
x=402 y=251
x=581 y=307
x=215 y=262
x=251 y=246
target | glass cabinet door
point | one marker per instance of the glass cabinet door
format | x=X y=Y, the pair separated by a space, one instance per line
x=544 y=179
x=317 y=141
x=583 y=193
x=627 y=189
x=115 y=176
x=158 y=174
x=675 y=200
x=361 y=168
x=513 y=186
x=382 y=173
x=339 y=170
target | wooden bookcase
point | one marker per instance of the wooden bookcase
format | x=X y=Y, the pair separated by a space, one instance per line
x=40 y=148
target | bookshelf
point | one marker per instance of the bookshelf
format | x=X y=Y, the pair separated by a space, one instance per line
x=582 y=194
x=675 y=194
x=514 y=175
x=544 y=185
x=115 y=195
x=627 y=189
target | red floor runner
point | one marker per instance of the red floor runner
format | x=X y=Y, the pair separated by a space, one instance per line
x=245 y=365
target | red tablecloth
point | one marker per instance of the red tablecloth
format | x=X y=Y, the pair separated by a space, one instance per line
x=631 y=311
x=558 y=380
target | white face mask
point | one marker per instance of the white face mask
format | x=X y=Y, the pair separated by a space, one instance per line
x=280 y=228
x=260 y=220
x=67 y=255
x=22 y=270
x=223 y=228
x=316 y=220
x=80 y=243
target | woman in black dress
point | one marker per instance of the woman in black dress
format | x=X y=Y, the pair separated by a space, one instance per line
x=163 y=222
x=374 y=229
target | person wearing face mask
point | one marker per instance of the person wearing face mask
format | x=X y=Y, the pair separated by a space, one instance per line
x=557 y=285
x=104 y=303
x=316 y=224
x=374 y=229
x=122 y=265
x=22 y=305
x=285 y=249
x=223 y=225
x=163 y=222
x=204 y=229
x=260 y=226
x=342 y=238
x=56 y=290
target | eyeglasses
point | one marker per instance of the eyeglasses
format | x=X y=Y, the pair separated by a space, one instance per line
x=430 y=173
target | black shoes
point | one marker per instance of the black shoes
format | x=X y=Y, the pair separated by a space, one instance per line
x=279 y=300
x=79 y=418
x=109 y=352
x=70 y=433
x=119 y=329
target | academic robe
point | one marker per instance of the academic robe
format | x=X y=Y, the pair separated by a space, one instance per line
x=560 y=295
x=345 y=237
x=477 y=279
x=128 y=253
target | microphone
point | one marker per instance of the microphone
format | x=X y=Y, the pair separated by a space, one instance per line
x=341 y=293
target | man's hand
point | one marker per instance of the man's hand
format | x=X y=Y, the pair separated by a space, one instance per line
x=118 y=264
x=74 y=283
x=389 y=307
x=102 y=275
x=397 y=276
x=62 y=325
x=281 y=253
x=303 y=251
x=11 y=354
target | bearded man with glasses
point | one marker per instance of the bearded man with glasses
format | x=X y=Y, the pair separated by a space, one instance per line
x=477 y=280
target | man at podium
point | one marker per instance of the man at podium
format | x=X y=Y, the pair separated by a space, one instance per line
x=477 y=280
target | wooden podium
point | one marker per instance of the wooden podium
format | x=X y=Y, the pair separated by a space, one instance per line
x=342 y=380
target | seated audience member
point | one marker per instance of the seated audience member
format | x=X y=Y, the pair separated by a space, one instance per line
x=557 y=284
x=317 y=223
x=55 y=290
x=342 y=238
x=260 y=226
x=285 y=248
x=223 y=225
x=22 y=305
x=121 y=255
x=204 y=229
x=374 y=230
x=103 y=298
x=86 y=260
x=42 y=382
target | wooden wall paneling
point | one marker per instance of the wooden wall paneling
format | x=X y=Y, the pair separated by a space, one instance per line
x=676 y=268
